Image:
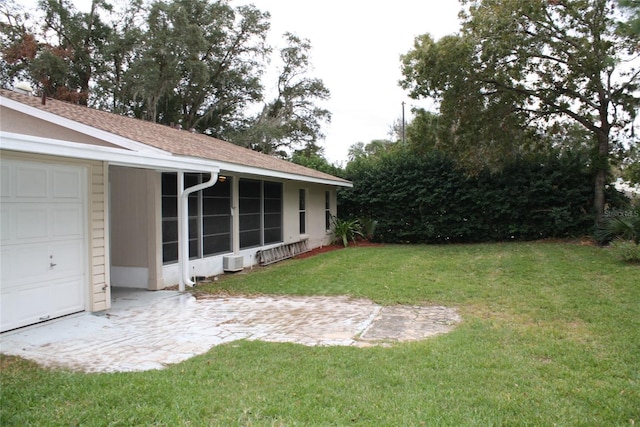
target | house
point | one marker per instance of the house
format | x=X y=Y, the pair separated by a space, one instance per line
x=91 y=200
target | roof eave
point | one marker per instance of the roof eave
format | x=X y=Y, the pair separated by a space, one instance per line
x=79 y=127
x=130 y=147
x=113 y=156
x=250 y=170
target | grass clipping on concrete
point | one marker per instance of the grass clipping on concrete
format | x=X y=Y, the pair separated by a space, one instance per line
x=550 y=336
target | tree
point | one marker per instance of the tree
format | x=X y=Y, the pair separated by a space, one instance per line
x=292 y=120
x=62 y=62
x=316 y=161
x=197 y=64
x=200 y=64
x=66 y=64
x=423 y=132
x=632 y=7
x=18 y=44
x=630 y=166
x=122 y=47
x=477 y=130
x=536 y=62
x=363 y=157
x=375 y=148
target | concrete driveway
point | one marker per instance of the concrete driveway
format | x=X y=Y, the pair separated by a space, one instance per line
x=150 y=330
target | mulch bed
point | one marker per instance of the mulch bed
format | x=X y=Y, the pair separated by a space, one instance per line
x=313 y=252
x=330 y=248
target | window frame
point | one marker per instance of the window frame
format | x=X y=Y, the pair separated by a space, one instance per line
x=302 y=211
x=327 y=210
x=267 y=202
x=196 y=214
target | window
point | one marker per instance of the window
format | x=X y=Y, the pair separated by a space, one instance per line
x=209 y=214
x=216 y=218
x=272 y=212
x=250 y=193
x=302 y=209
x=193 y=207
x=327 y=209
x=169 y=217
x=260 y=212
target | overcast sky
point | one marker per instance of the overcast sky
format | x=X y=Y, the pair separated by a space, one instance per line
x=356 y=48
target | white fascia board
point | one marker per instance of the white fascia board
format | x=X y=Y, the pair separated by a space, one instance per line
x=113 y=156
x=79 y=127
x=250 y=170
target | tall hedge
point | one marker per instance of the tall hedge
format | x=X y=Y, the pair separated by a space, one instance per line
x=430 y=200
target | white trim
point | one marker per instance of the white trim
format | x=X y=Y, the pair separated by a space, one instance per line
x=121 y=157
x=113 y=156
x=130 y=277
x=251 y=170
x=79 y=127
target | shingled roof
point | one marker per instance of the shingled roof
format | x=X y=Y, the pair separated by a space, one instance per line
x=174 y=141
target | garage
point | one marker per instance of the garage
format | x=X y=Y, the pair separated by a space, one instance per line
x=43 y=259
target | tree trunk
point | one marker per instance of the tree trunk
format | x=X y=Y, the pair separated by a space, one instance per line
x=599 y=200
x=602 y=171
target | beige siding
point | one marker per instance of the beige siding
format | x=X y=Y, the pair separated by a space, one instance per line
x=136 y=228
x=100 y=297
x=290 y=218
x=316 y=232
x=154 y=229
x=129 y=217
x=16 y=122
x=316 y=214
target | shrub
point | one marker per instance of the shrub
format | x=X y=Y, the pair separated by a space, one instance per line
x=621 y=228
x=626 y=250
x=429 y=199
x=345 y=230
x=619 y=223
x=368 y=227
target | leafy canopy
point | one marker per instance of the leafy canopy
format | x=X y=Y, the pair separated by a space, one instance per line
x=520 y=67
x=196 y=64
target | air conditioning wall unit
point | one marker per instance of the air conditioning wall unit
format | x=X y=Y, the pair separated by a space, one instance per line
x=233 y=263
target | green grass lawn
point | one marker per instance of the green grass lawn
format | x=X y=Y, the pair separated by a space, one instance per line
x=551 y=336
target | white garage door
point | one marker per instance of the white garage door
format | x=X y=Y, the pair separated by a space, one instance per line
x=42 y=239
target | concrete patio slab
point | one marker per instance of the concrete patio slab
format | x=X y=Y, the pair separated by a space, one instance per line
x=149 y=330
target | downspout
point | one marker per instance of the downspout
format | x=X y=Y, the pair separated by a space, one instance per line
x=183 y=225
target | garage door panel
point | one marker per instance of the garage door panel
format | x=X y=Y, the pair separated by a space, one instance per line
x=43 y=258
x=33 y=262
x=65 y=298
x=66 y=183
x=33 y=303
x=67 y=221
x=65 y=258
x=31 y=222
x=31 y=181
x=6 y=221
x=28 y=263
x=7 y=266
x=23 y=306
x=7 y=179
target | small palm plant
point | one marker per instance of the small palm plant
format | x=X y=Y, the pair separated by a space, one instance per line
x=622 y=229
x=368 y=227
x=345 y=230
